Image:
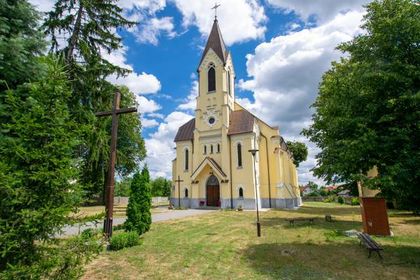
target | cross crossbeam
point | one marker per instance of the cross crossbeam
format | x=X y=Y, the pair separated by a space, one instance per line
x=110 y=178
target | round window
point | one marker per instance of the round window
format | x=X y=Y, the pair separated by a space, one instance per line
x=211 y=120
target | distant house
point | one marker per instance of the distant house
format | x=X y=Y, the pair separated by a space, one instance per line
x=305 y=190
x=331 y=188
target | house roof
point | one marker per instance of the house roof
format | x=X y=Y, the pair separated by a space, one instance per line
x=186 y=131
x=216 y=43
x=241 y=121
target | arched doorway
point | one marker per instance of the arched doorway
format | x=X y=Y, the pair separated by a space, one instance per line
x=213 y=191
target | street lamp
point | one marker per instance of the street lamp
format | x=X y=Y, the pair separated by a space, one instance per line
x=254 y=152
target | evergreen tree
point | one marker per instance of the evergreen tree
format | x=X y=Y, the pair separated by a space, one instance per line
x=37 y=168
x=20 y=43
x=161 y=187
x=89 y=29
x=139 y=217
x=368 y=108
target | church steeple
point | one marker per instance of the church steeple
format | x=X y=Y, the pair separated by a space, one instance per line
x=216 y=43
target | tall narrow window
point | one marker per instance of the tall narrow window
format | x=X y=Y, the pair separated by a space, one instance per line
x=239 y=150
x=186 y=159
x=211 y=149
x=205 y=149
x=211 y=78
x=186 y=193
x=218 y=148
x=228 y=83
x=241 y=193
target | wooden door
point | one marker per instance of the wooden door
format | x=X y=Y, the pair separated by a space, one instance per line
x=213 y=195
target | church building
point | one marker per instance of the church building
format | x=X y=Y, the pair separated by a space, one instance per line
x=214 y=166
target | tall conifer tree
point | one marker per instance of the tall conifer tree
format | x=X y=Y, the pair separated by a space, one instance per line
x=82 y=30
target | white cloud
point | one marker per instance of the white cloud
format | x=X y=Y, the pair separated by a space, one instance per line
x=323 y=10
x=152 y=6
x=190 y=102
x=285 y=73
x=153 y=28
x=143 y=83
x=43 y=5
x=147 y=123
x=147 y=105
x=239 y=20
x=160 y=145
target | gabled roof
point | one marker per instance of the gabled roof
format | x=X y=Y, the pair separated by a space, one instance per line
x=213 y=164
x=216 y=43
x=241 y=121
x=186 y=131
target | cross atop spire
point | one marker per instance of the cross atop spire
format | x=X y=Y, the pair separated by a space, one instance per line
x=216 y=5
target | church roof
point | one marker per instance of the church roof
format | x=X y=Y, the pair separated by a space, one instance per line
x=186 y=131
x=216 y=43
x=241 y=121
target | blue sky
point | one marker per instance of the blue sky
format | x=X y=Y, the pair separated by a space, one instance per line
x=280 y=49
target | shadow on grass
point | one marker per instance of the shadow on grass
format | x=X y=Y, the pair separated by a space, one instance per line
x=328 y=261
x=338 y=211
x=318 y=223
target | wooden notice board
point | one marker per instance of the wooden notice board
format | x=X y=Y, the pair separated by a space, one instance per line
x=375 y=216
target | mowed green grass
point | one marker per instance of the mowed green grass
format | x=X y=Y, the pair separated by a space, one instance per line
x=223 y=245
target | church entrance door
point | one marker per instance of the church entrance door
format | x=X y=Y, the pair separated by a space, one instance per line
x=213 y=191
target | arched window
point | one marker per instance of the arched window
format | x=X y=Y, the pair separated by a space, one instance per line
x=239 y=151
x=186 y=159
x=241 y=192
x=218 y=148
x=186 y=193
x=211 y=78
x=205 y=149
x=211 y=149
x=228 y=83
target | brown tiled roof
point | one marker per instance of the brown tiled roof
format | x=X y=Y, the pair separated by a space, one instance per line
x=186 y=131
x=216 y=43
x=241 y=121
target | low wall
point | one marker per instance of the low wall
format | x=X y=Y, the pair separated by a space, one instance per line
x=155 y=200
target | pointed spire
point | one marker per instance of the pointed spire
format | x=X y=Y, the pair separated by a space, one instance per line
x=216 y=43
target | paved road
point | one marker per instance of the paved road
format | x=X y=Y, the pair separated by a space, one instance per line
x=158 y=217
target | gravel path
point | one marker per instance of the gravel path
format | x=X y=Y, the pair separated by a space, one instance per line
x=158 y=217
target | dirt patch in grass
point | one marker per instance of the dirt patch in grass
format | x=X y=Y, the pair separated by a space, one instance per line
x=223 y=245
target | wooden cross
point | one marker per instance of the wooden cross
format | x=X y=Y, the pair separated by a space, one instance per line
x=215 y=9
x=179 y=190
x=110 y=180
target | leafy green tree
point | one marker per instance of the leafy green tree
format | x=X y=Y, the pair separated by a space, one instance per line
x=122 y=188
x=368 y=108
x=161 y=187
x=20 y=43
x=299 y=151
x=139 y=217
x=37 y=168
x=89 y=28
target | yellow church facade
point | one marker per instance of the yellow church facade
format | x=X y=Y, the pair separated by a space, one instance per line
x=213 y=166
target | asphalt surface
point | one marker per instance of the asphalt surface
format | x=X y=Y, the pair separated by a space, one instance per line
x=158 y=217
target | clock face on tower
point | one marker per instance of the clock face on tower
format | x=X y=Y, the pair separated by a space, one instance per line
x=211 y=120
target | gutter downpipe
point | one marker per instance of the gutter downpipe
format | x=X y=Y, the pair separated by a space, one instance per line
x=268 y=170
x=230 y=172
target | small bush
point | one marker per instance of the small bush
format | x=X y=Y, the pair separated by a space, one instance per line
x=355 y=201
x=330 y=198
x=124 y=240
x=340 y=200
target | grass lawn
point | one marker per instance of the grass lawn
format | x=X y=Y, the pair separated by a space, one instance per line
x=223 y=245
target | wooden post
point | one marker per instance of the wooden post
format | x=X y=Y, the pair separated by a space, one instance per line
x=179 y=190
x=110 y=178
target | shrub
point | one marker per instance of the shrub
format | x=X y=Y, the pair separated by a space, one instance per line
x=340 y=200
x=355 y=201
x=123 y=240
x=139 y=217
x=330 y=198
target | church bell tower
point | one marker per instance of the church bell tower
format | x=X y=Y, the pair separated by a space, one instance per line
x=216 y=74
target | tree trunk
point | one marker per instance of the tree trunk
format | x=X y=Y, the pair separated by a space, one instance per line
x=75 y=35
